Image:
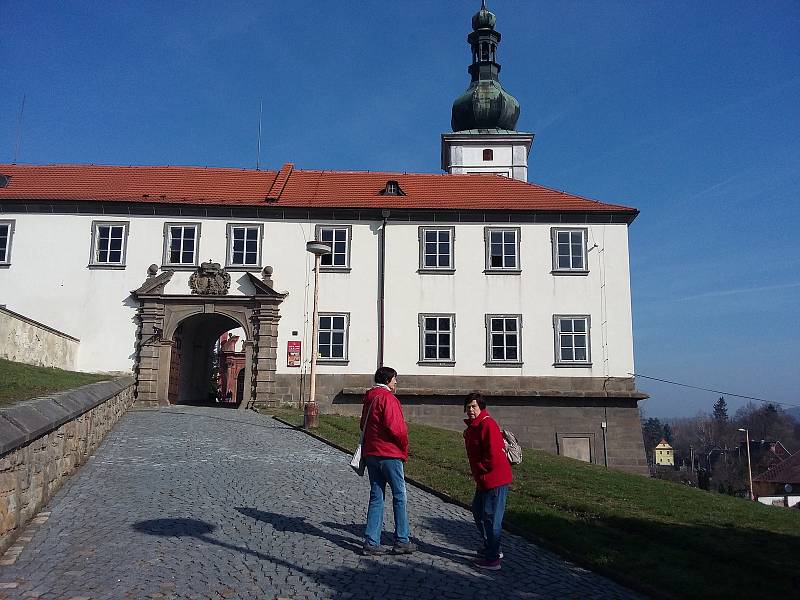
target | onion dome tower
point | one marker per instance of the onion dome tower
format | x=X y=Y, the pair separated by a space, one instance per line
x=484 y=117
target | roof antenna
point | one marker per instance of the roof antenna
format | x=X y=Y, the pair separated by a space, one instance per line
x=19 y=130
x=258 y=153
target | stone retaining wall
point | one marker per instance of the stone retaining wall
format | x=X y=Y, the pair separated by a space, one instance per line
x=554 y=414
x=27 y=341
x=43 y=441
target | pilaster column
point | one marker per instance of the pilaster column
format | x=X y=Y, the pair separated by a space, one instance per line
x=151 y=327
x=265 y=353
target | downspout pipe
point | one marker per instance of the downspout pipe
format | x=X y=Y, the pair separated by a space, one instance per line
x=382 y=284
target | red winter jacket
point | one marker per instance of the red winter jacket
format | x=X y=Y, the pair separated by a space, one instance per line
x=488 y=461
x=386 y=434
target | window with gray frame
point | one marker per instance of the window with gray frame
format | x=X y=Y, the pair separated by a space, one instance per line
x=6 y=233
x=569 y=250
x=502 y=250
x=437 y=344
x=109 y=243
x=572 y=339
x=436 y=249
x=181 y=244
x=503 y=339
x=332 y=336
x=338 y=238
x=244 y=245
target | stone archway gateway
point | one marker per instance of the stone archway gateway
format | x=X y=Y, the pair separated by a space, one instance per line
x=160 y=314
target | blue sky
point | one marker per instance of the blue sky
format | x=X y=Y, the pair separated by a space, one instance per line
x=688 y=111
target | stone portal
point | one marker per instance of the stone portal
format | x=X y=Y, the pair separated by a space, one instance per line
x=166 y=369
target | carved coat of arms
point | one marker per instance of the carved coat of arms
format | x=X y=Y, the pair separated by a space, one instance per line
x=210 y=279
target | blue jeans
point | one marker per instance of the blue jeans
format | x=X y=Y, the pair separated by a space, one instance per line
x=487 y=510
x=382 y=471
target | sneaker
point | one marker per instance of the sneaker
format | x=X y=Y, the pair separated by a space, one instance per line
x=404 y=548
x=370 y=550
x=489 y=565
x=481 y=553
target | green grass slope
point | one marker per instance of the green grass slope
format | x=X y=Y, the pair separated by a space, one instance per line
x=659 y=537
x=19 y=381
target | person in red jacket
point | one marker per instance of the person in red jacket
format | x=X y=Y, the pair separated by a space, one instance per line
x=492 y=473
x=385 y=449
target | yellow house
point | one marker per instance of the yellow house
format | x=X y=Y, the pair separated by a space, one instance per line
x=664 y=453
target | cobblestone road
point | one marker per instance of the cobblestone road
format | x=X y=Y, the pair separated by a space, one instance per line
x=212 y=503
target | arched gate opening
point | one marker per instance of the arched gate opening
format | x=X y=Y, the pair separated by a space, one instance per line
x=198 y=363
x=177 y=336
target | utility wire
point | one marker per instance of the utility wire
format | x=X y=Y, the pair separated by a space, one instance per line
x=694 y=387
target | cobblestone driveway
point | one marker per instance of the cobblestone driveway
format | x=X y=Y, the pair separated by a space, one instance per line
x=212 y=503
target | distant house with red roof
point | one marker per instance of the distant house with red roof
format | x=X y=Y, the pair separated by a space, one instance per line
x=469 y=279
x=780 y=484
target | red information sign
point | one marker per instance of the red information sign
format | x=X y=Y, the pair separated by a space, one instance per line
x=293 y=353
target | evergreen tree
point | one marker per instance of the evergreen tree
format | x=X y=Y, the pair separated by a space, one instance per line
x=721 y=410
x=652 y=432
x=667 y=433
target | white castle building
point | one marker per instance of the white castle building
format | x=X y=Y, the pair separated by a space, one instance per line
x=470 y=279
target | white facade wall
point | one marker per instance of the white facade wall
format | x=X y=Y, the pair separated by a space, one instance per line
x=536 y=294
x=472 y=159
x=463 y=154
x=49 y=281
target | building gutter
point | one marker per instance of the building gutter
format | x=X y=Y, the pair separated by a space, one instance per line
x=382 y=284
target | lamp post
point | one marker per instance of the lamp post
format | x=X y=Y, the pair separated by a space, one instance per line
x=749 y=466
x=310 y=410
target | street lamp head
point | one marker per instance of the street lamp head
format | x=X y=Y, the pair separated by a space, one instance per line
x=318 y=248
x=740 y=429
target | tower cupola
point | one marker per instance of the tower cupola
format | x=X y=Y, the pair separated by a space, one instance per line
x=485 y=104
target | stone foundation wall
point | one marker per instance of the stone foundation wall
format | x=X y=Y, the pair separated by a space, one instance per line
x=546 y=413
x=43 y=441
x=27 y=341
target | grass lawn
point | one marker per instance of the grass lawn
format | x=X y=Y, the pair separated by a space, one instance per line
x=19 y=381
x=659 y=537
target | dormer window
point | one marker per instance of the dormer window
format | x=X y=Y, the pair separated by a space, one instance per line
x=488 y=154
x=4 y=180
x=392 y=189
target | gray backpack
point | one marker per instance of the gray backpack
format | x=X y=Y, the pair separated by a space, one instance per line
x=512 y=448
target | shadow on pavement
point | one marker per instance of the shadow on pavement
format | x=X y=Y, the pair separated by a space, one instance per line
x=397 y=577
x=300 y=525
x=387 y=539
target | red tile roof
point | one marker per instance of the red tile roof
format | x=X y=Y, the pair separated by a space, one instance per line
x=288 y=187
x=786 y=471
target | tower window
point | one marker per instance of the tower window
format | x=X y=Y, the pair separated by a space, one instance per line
x=484 y=51
x=488 y=154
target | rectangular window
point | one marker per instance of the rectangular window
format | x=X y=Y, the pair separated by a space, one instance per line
x=181 y=240
x=572 y=340
x=244 y=245
x=338 y=238
x=503 y=343
x=436 y=249
x=437 y=344
x=6 y=233
x=502 y=250
x=332 y=341
x=569 y=250
x=109 y=242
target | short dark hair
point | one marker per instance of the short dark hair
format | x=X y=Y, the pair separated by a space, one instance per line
x=384 y=375
x=478 y=397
